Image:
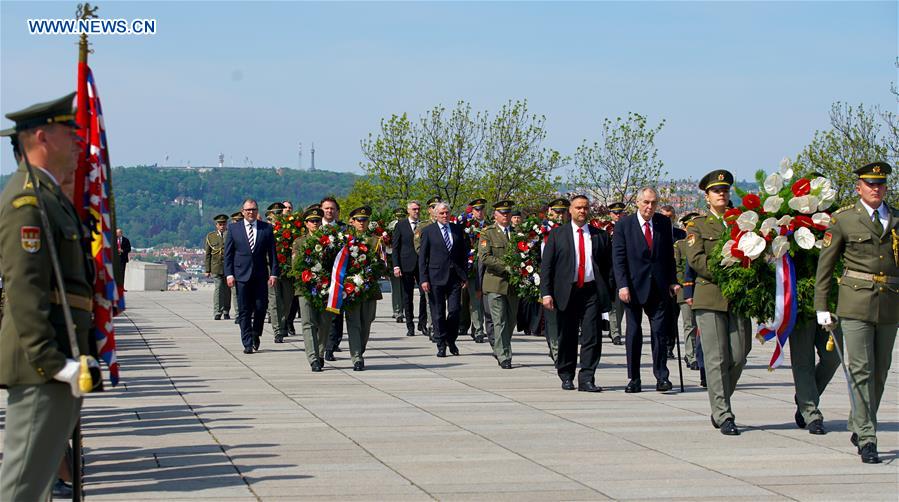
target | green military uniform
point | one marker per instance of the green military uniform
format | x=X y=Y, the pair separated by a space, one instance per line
x=868 y=299
x=688 y=319
x=503 y=302
x=726 y=337
x=396 y=283
x=316 y=325
x=617 y=312
x=34 y=345
x=281 y=294
x=215 y=267
x=472 y=314
x=360 y=316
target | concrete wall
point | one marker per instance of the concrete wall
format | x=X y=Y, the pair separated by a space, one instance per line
x=144 y=276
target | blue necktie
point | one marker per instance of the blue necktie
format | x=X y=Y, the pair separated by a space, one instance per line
x=446 y=237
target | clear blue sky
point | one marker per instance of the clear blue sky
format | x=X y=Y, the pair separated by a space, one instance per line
x=740 y=84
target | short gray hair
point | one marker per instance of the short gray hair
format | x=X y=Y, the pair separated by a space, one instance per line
x=645 y=189
x=412 y=202
x=440 y=205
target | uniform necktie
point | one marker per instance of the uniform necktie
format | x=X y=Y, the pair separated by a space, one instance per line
x=446 y=237
x=506 y=231
x=251 y=237
x=581 y=258
x=878 y=225
x=648 y=234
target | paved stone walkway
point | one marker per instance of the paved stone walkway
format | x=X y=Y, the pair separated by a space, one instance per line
x=197 y=419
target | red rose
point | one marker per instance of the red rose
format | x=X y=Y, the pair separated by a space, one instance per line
x=306 y=276
x=277 y=225
x=732 y=214
x=532 y=234
x=298 y=224
x=523 y=246
x=308 y=251
x=286 y=234
x=751 y=201
x=802 y=187
x=363 y=248
x=324 y=241
x=282 y=258
x=349 y=288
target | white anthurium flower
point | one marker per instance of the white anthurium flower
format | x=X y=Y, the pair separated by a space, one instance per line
x=805 y=204
x=819 y=244
x=804 y=238
x=780 y=245
x=772 y=204
x=784 y=220
x=769 y=225
x=773 y=183
x=817 y=183
x=828 y=195
x=529 y=269
x=786 y=169
x=726 y=258
x=752 y=245
x=747 y=221
x=822 y=219
x=357 y=280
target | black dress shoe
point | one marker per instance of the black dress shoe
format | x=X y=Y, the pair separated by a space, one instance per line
x=506 y=365
x=479 y=339
x=217 y=317
x=411 y=332
x=729 y=428
x=800 y=420
x=567 y=385
x=279 y=339
x=248 y=350
x=816 y=427
x=453 y=349
x=226 y=316
x=694 y=366
x=441 y=352
x=235 y=321
x=316 y=366
x=663 y=385
x=854 y=440
x=703 y=384
x=869 y=454
x=329 y=356
x=358 y=366
x=338 y=349
x=62 y=490
x=589 y=387
x=617 y=341
x=633 y=387
x=400 y=319
x=291 y=332
x=256 y=342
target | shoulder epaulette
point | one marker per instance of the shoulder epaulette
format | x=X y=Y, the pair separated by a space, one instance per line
x=24 y=200
x=690 y=224
x=844 y=208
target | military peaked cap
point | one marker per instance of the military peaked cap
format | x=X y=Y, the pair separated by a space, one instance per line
x=361 y=213
x=503 y=206
x=434 y=200
x=220 y=218
x=559 y=204
x=716 y=178
x=313 y=214
x=478 y=203
x=58 y=111
x=617 y=207
x=875 y=172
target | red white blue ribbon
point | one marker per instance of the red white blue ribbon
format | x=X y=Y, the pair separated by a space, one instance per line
x=785 y=303
x=336 y=292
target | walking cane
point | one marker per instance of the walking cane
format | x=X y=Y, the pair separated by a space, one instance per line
x=680 y=361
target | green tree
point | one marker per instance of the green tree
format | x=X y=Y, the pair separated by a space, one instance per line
x=393 y=175
x=622 y=161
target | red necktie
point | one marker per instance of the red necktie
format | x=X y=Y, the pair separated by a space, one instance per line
x=648 y=235
x=582 y=257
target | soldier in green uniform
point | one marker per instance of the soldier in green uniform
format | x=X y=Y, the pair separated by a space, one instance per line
x=360 y=316
x=616 y=210
x=726 y=337
x=688 y=320
x=432 y=203
x=396 y=283
x=276 y=311
x=215 y=268
x=316 y=325
x=503 y=302
x=866 y=236
x=472 y=314
x=558 y=208
x=235 y=217
x=36 y=365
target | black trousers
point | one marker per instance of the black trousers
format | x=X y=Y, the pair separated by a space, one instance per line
x=581 y=316
x=656 y=309
x=671 y=321
x=252 y=303
x=446 y=304
x=410 y=281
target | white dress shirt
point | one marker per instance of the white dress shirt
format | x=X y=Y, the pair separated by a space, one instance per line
x=449 y=232
x=881 y=213
x=652 y=231
x=588 y=252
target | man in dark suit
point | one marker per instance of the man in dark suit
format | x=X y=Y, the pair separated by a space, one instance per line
x=443 y=268
x=405 y=266
x=574 y=278
x=643 y=261
x=251 y=265
x=124 y=247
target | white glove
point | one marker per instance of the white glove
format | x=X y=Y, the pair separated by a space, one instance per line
x=69 y=374
x=824 y=318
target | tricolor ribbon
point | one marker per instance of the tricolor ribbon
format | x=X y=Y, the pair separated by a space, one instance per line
x=336 y=292
x=785 y=303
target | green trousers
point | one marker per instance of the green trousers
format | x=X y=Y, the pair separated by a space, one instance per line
x=39 y=420
x=273 y=309
x=316 y=328
x=869 y=348
x=358 y=325
x=615 y=316
x=221 y=298
x=504 y=311
x=283 y=298
x=689 y=323
x=552 y=332
x=396 y=295
x=726 y=342
x=471 y=317
x=811 y=379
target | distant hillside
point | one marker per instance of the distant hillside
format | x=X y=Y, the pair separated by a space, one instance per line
x=159 y=206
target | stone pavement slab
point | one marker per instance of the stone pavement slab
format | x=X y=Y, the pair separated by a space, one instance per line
x=195 y=418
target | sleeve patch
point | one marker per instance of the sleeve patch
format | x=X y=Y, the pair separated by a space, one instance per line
x=691 y=239
x=31 y=239
x=483 y=243
x=25 y=200
x=828 y=237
